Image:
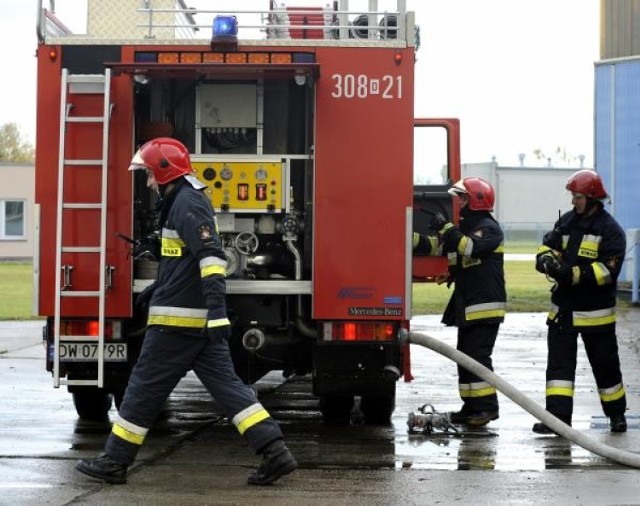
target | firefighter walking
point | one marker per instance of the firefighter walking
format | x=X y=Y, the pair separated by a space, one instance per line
x=188 y=327
x=477 y=304
x=583 y=255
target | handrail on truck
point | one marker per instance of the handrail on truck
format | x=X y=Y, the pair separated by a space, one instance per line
x=159 y=20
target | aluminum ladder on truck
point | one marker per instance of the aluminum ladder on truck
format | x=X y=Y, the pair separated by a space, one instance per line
x=74 y=84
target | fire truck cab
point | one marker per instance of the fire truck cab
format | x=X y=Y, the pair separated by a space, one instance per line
x=300 y=121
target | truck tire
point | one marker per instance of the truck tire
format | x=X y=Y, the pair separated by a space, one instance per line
x=377 y=409
x=336 y=409
x=92 y=404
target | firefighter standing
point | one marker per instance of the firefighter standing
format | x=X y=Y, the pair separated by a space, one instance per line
x=188 y=327
x=477 y=305
x=583 y=254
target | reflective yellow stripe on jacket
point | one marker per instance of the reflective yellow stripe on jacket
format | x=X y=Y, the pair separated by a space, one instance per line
x=589 y=246
x=601 y=273
x=170 y=244
x=220 y=322
x=486 y=310
x=465 y=246
x=177 y=316
x=594 y=318
x=587 y=318
x=213 y=265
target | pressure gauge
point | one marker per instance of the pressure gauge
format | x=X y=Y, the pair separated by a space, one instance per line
x=226 y=173
x=261 y=174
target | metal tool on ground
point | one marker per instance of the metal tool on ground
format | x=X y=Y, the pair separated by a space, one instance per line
x=427 y=419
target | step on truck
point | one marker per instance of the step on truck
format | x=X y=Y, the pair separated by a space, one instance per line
x=300 y=121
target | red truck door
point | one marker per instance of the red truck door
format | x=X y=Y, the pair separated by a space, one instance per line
x=436 y=167
x=362 y=183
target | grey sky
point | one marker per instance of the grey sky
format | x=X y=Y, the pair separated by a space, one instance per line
x=518 y=73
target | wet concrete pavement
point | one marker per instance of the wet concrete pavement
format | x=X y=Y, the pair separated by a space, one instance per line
x=193 y=457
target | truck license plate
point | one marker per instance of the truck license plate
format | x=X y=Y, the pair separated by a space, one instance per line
x=87 y=352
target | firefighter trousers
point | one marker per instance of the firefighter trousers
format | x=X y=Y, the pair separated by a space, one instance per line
x=602 y=352
x=165 y=358
x=477 y=341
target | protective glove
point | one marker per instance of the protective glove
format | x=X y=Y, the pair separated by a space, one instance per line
x=144 y=297
x=560 y=271
x=439 y=223
x=542 y=259
x=220 y=334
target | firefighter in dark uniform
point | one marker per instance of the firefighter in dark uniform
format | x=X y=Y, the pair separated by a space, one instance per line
x=188 y=327
x=477 y=305
x=583 y=255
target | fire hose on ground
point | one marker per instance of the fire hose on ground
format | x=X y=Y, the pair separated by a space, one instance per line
x=554 y=423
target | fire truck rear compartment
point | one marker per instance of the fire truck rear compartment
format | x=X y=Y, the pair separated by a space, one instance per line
x=291 y=216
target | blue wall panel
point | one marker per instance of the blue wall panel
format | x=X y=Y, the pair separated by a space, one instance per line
x=617 y=136
x=603 y=117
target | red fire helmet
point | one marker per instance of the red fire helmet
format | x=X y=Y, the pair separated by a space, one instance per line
x=480 y=193
x=588 y=183
x=166 y=158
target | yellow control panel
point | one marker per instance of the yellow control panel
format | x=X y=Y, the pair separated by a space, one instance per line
x=251 y=186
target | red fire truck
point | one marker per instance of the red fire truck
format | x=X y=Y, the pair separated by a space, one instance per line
x=304 y=132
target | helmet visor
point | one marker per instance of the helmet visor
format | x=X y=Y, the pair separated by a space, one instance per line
x=458 y=189
x=137 y=162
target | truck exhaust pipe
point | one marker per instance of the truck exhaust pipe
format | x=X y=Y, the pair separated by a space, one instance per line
x=253 y=340
x=391 y=373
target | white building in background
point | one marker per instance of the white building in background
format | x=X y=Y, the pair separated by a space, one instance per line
x=17 y=215
x=528 y=199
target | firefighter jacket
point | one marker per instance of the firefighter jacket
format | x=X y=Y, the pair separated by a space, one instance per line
x=476 y=267
x=190 y=293
x=594 y=248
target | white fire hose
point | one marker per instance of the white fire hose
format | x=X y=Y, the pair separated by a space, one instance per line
x=554 y=423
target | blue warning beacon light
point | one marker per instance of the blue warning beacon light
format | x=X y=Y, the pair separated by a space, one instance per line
x=224 y=35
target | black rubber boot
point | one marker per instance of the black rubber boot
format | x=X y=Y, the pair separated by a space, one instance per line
x=481 y=418
x=277 y=462
x=104 y=468
x=618 y=423
x=472 y=418
x=459 y=417
x=541 y=428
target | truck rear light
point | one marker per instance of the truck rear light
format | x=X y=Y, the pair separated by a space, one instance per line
x=91 y=328
x=258 y=58
x=168 y=57
x=359 y=331
x=195 y=57
x=190 y=57
x=236 y=58
x=213 y=57
x=281 y=58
